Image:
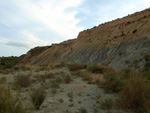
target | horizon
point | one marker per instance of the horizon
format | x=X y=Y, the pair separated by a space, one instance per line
x=28 y=23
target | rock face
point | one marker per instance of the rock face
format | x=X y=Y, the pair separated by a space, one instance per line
x=119 y=43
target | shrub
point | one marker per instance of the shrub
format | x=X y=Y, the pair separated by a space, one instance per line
x=23 y=81
x=58 y=65
x=8 y=62
x=48 y=76
x=53 y=90
x=58 y=79
x=8 y=104
x=2 y=80
x=75 y=67
x=98 y=68
x=112 y=83
x=67 y=79
x=37 y=97
x=55 y=84
x=77 y=73
x=43 y=77
x=107 y=103
x=82 y=110
x=136 y=94
x=87 y=76
x=147 y=57
x=61 y=100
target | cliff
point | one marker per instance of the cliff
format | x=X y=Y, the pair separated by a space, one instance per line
x=119 y=43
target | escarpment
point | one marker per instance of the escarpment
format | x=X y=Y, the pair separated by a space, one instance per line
x=118 y=43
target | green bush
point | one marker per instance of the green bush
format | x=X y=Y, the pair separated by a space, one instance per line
x=107 y=103
x=75 y=67
x=136 y=94
x=55 y=84
x=8 y=104
x=97 y=68
x=67 y=78
x=23 y=81
x=83 y=110
x=37 y=97
x=58 y=79
x=87 y=76
x=8 y=62
x=112 y=83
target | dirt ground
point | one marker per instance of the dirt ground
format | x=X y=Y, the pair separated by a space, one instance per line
x=77 y=96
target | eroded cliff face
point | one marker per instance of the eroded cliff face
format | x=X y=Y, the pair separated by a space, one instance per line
x=118 y=43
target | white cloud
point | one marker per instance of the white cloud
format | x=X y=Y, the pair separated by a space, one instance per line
x=19 y=44
x=30 y=38
x=31 y=17
x=3 y=40
x=52 y=15
x=120 y=9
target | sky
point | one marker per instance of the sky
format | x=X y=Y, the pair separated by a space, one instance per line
x=25 y=24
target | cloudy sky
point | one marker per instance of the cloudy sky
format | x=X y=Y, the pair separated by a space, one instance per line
x=25 y=24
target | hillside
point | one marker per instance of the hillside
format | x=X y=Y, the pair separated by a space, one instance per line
x=119 y=43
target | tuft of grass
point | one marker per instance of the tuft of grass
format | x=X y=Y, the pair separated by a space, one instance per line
x=67 y=79
x=3 y=80
x=49 y=76
x=107 y=103
x=76 y=67
x=87 y=76
x=83 y=110
x=58 y=65
x=77 y=73
x=58 y=79
x=9 y=104
x=37 y=97
x=55 y=84
x=54 y=90
x=61 y=100
x=23 y=81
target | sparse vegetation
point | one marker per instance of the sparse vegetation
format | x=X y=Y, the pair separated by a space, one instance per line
x=2 y=80
x=61 y=100
x=67 y=78
x=58 y=79
x=8 y=62
x=37 y=97
x=87 y=76
x=55 y=84
x=82 y=110
x=23 y=80
x=98 y=68
x=134 y=31
x=9 y=104
x=76 y=67
x=112 y=83
x=107 y=103
x=136 y=94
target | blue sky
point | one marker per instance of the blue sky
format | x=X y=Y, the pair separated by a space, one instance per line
x=25 y=24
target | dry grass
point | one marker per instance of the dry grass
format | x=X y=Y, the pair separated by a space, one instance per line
x=87 y=76
x=37 y=97
x=9 y=104
x=136 y=94
x=67 y=79
x=23 y=80
x=98 y=68
x=75 y=67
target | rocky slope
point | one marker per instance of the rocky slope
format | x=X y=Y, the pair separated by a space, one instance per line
x=119 y=43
